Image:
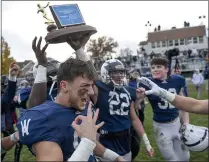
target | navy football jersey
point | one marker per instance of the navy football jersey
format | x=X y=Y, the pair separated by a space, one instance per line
x=114 y=109
x=162 y=109
x=114 y=106
x=50 y=122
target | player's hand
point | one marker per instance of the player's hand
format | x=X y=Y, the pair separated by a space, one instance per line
x=14 y=69
x=17 y=135
x=119 y=158
x=140 y=93
x=79 y=42
x=87 y=128
x=154 y=88
x=150 y=151
x=40 y=53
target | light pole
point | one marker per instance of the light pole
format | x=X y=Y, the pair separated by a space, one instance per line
x=148 y=25
x=202 y=17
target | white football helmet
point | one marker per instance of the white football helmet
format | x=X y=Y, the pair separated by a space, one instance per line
x=194 y=137
x=113 y=73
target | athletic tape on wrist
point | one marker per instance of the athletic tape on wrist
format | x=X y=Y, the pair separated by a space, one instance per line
x=83 y=151
x=82 y=55
x=145 y=139
x=110 y=155
x=167 y=95
x=13 y=138
x=41 y=74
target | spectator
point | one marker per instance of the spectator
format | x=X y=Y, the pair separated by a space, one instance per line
x=197 y=80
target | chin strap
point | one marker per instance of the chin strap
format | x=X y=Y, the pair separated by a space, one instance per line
x=52 y=86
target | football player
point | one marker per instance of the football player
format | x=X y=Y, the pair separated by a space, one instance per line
x=75 y=80
x=190 y=104
x=117 y=103
x=166 y=120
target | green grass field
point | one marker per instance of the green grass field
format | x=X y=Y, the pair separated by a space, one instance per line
x=201 y=120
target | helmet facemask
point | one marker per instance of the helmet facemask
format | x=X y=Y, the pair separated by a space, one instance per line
x=117 y=78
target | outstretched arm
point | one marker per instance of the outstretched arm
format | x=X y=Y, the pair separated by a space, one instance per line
x=184 y=103
x=39 y=90
x=191 y=105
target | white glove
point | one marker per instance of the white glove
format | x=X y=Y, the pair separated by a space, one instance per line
x=156 y=90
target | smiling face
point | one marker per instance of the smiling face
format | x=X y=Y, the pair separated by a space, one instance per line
x=159 y=72
x=159 y=68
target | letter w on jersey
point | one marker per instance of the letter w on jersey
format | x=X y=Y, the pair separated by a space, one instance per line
x=25 y=126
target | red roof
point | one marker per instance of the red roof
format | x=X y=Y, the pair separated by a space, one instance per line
x=174 y=34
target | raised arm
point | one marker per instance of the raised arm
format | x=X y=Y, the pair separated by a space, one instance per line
x=9 y=93
x=39 y=90
x=78 y=45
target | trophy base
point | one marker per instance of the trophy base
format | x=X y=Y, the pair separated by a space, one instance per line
x=62 y=35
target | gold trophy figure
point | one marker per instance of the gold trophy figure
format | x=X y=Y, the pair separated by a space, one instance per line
x=51 y=26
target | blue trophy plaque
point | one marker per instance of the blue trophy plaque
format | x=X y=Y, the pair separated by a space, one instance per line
x=67 y=15
x=69 y=23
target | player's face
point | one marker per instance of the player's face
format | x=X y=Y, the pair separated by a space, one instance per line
x=159 y=72
x=80 y=91
x=118 y=76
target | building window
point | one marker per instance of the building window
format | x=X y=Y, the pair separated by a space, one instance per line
x=181 y=41
x=153 y=45
x=170 y=42
x=176 y=42
x=158 y=44
x=194 y=40
x=163 y=44
x=200 y=39
x=189 y=40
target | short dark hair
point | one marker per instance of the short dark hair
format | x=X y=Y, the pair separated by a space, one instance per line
x=160 y=61
x=72 y=68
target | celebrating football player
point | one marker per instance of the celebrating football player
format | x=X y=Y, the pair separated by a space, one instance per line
x=166 y=116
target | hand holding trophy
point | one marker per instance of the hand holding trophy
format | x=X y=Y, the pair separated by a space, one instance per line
x=69 y=23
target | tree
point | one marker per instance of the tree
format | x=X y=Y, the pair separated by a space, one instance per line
x=102 y=46
x=125 y=52
x=6 y=59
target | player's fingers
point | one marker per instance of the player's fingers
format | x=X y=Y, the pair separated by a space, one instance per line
x=34 y=44
x=44 y=48
x=141 y=89
x=75 y=126
x=99 y=125
x=96 y=115
x=79 y=118
x=12 y=64
x=39 y=44
x=89 y=113
x=149 y=92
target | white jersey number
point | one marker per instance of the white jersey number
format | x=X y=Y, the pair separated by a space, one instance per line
x=163 y=104
x=117 y=101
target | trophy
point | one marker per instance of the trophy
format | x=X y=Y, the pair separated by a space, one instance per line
x=69 y=23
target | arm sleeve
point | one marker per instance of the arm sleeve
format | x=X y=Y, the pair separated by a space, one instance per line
x=34 y=127
x=9 y=93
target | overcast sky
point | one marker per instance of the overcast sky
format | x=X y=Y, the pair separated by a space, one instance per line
x=124 y=21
